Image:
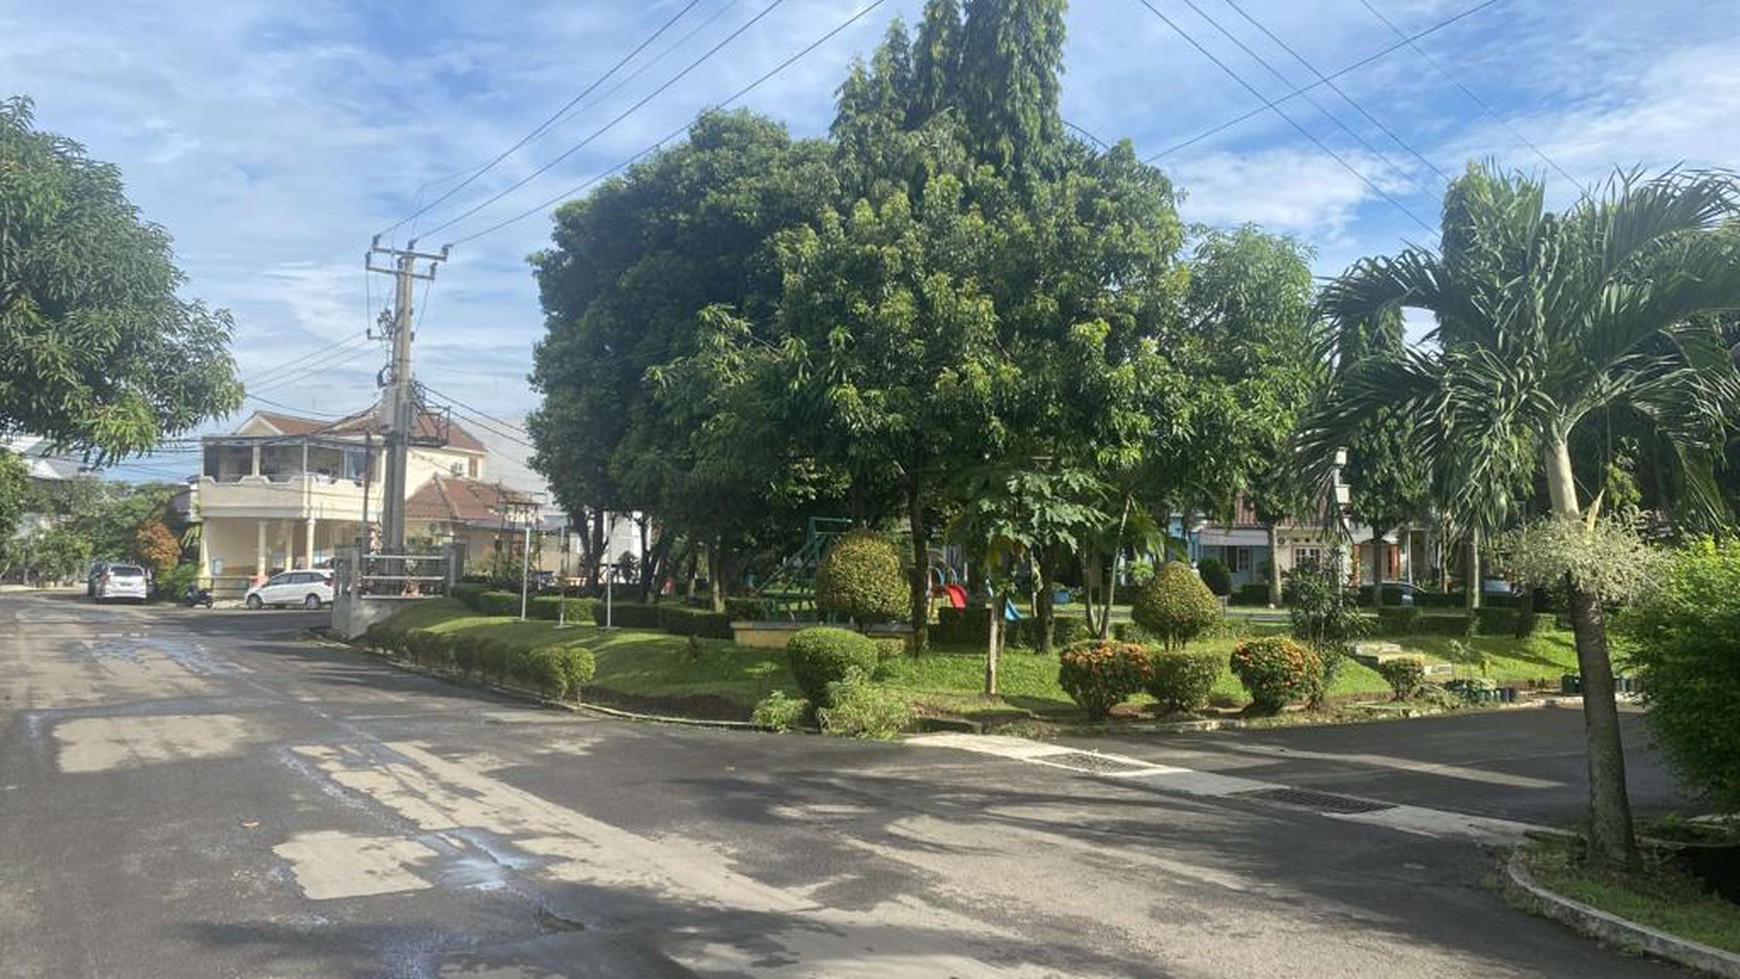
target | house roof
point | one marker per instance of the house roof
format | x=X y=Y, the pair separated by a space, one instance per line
x=456 y=499
x=429 y=426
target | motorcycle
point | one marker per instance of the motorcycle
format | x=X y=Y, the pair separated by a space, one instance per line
x=196 y=596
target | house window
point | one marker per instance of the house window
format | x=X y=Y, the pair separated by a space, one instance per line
x=1241 y=560
x=1304 y=556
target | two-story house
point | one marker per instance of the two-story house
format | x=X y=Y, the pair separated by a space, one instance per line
x=284 y=492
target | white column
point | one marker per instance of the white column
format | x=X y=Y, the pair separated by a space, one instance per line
x=256 y=467
x=260 y=565
x=308 y=539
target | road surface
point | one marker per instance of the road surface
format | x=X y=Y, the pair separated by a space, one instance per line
x=190 y=793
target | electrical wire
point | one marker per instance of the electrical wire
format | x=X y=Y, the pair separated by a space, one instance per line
x=1477 y=100
x=1337 y=89
x=1295 y=93
x=547 y=123
x=1223 y=66
x=350 y=340
x=658 y=144
x=624 y=114
x=1102 y=144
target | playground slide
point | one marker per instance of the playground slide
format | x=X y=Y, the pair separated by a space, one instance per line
x=1010 y=612
x=957 y=595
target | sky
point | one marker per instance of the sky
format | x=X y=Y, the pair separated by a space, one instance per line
x=273 y=139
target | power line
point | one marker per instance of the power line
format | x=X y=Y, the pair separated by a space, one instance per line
x=1102 y=144
x=1337 y=89
x=481 y=415
x=300 y=412
x=1364 y=143
x=547 y=123
x=317 y=352
x=332 y=360
x=1477 y=100
x=570 y=151
x=1295 y=93
x=679 y=131
x=1283 y=114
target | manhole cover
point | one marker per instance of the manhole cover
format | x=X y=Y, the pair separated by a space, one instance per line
x=1083 y=761
x=1318 y=801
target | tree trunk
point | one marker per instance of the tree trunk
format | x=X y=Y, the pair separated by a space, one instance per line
x=1611 y=840
x=718 y=573
x=1377 y=569
x=1274 y=565
x=1111 y=593
x=920 y=569
x=1472 y=572
x=994 y=646
x=596 y=558
x=1044 y=603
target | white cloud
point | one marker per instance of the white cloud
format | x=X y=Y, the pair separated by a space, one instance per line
x=1300 y=192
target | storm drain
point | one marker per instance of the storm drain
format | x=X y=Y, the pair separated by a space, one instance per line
x=1083 y=761
x=1315 y=801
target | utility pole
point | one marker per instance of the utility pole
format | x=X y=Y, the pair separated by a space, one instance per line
x=398 y=408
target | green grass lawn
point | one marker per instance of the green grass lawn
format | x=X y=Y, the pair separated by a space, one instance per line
x=648 y=664
x=1662 y=896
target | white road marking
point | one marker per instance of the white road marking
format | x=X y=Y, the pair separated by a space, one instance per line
x=1401 y=765
x=1185 y=781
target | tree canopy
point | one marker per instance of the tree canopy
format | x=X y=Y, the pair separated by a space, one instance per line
x=98 y=352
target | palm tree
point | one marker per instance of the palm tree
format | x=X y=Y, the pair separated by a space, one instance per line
x=1544 y=320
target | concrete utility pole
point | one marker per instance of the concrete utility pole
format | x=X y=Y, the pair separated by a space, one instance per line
x=398 y=411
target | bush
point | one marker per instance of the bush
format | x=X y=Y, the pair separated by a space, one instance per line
x=1175 y=606
x=469 y=593
x=1182 y=681
x=1406 y=676
x=627 y=615
x=888 y=648
x=1251 y=594
x=1398 y=621
x=578 y=667
x=822 y=656
x=549 y=608
x=1216 y=575
x=468 y=654
x=679 y=620
x=172 y=584
x=1687 y=631
x=1451 y=624
x=384 y=637
x=426 y=648
x=972 y=627
x=860 y=708
x=1131 y=632
x=1100 y=675
x=498 y=603
x=1529 y=623
x=1276 y=669
x=860 y=578
x=778 y=712
x=750 y=609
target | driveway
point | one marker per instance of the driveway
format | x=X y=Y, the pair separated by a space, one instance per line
x=193 y=794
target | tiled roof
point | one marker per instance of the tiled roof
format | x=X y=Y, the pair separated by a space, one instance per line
x=459 y=500
x=429 y=426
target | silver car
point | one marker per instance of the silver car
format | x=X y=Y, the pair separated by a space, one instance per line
x=123 y=581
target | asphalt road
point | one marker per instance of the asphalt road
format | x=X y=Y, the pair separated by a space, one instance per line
x=193 y=794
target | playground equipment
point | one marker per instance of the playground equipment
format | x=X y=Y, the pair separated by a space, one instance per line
x=792 y=588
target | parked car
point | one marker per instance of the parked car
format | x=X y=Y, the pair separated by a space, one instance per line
x=309 y=589
x=123 y=581
x=1498 y=586
x=1406 y=590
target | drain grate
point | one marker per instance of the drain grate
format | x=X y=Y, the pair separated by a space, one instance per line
x=1316 y=801
x=1084 y=761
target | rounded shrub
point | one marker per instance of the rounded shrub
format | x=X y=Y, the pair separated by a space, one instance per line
x=1180 y=680
x=1175 y=606
x=860 y=578
x=1276 y=669
x=1406 y=676
x=1100 y=674
x=578 y=667
x=824 y=655
x=1216 y=575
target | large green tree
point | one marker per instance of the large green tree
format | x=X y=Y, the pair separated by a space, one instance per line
x=97 y=350
x=1543 y=322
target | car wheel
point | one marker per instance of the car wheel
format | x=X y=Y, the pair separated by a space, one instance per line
x=255 y=603
x=311 y=603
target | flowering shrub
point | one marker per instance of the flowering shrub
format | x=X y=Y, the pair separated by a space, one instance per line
x=1099 y=674
x=1276 y=669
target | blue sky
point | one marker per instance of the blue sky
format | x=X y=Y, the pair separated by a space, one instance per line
x=273 y=139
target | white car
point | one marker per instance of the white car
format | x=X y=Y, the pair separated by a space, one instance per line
x=123 y=581
x=309 y=589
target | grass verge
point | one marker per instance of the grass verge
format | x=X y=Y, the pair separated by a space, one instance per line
x=1662 y=896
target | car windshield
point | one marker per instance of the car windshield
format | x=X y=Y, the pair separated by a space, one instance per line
x=126 y=571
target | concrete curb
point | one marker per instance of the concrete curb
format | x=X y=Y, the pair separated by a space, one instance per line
x=1615 y=930
x=530 y=697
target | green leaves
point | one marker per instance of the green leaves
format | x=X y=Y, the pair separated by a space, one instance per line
x=97 y=352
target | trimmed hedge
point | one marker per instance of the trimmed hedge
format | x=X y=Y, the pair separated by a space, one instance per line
x=628 y=615
x=860 y=578
x=1406 y=676
x=1182 y=680
x=557 y=672
x=549 y=608
x=468 y=591
x=681 y=620
x=1251 y=594
x=823 y=656
x=971 y=626
x=750 y=609
x=1413 y=622
x=499 y=603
